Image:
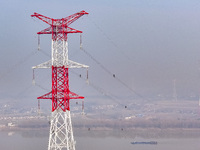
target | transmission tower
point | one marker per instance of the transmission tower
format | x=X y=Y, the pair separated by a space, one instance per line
x=61 y=133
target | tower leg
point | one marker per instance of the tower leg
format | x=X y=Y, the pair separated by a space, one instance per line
x=61 y=133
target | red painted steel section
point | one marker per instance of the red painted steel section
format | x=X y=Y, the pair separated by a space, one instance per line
x=59 y=28
x=60 y=94
x=66 y=21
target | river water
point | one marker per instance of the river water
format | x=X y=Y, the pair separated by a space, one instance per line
x=101 y=140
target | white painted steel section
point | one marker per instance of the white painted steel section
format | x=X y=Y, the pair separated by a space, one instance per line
x=60 y=57
x=71 y=64
x=46 y=64
x=59 y=53
x=61 y=133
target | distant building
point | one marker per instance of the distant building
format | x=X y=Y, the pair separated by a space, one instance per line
x=10 y=124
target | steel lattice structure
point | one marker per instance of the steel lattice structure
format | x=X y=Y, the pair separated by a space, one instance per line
x=61 y=133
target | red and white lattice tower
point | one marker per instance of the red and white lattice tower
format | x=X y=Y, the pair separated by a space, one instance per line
x=61 y=133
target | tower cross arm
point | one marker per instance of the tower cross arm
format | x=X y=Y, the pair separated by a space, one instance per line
x=70 y=19
x=43 y=18
x=73 y=64
x=60 y=30
x=65 y=21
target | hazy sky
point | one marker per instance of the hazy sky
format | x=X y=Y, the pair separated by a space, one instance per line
x=147 y=44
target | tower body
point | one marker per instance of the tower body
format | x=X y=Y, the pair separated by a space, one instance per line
x=61 y=133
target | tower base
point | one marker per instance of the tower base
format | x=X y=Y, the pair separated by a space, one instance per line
x=61 y=133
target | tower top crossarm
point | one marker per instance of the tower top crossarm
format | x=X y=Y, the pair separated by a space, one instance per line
x=65 y=21
x=59 y=25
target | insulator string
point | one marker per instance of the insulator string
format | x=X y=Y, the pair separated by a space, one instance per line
x=81 y=46
x=33 y=80
x=83 y=107
x=87 y=80
x=38 y=106
x=38 y=42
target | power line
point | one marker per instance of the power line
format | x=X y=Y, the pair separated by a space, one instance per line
x=100 y=90
x=110 y=40
x=23 y=60
x=112 y=74
x=118 y=49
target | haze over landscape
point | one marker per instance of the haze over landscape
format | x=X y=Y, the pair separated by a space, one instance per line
x=140 y=54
